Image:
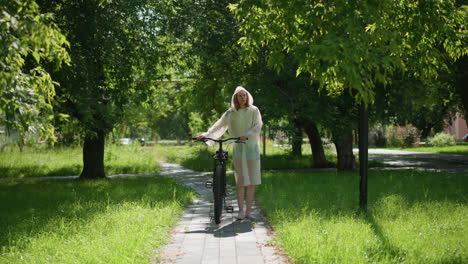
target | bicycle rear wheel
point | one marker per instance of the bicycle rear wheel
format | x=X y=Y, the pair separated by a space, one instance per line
x=218 y=193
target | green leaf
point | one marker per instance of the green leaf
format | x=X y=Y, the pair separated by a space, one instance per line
x=36 y=56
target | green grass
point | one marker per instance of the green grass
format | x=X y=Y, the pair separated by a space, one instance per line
x=105 y=221
x=461 y=149
x=414 y=217
x=38 y=162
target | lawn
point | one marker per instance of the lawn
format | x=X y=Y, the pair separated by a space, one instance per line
x=413 y=217
x=124 y=220
x=38 y=162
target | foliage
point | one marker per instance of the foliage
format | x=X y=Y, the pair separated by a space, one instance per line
x=350 y=47
x=117 y=52
x=441 y=140
x=353 y=44
x=162 y=116
x=69 y=221
x=460 y=79
x=29 y=40
x=289 y=102
x=423 y=103
x=196 y=124
x=174 y=126
x=113 y=44
x=208 y=32
x=403 y=136
x=377 y=136
x=415 y=217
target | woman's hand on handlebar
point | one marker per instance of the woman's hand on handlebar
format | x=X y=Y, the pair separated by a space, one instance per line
x=200 y=137
x=244 y=138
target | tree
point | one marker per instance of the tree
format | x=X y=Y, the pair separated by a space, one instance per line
x=210 y=57
x=215 y=61
x=422 y=103
x=29 y=39
x=460 y=69
x=283 y=95
x=354 y=45
x=113 y=44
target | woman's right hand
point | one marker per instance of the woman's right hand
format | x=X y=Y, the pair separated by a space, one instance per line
x=200 y=137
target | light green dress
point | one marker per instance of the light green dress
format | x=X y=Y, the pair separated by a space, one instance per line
x=246 y=156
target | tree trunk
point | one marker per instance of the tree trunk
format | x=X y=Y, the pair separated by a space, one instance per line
x=93 y=156
x=297 y=139
x=344 y=150
x=425 y=131
x=264 y=141
x=355 y=137
x=363 y=155
x=318 y=154
x=460 y=83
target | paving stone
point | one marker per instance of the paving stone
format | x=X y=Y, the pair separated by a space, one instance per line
x=204 y=261
x=250 y=259
x=227 y=253
x=228 y=260
x=211 y=253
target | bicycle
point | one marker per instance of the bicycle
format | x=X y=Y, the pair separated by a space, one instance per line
x=218 y=184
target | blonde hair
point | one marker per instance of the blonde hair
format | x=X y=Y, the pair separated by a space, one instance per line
x=236 y=102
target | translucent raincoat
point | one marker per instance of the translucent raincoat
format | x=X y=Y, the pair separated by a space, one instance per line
x=242 y=122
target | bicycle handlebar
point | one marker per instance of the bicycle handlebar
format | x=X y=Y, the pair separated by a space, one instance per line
x=216 y=140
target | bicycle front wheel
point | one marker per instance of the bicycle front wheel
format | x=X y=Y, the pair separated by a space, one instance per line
x=218 y=192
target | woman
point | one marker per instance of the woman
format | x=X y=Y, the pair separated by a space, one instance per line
x=242 y=120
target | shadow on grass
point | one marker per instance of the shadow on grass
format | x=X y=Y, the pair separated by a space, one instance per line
x=329 y=200
x=202 y=160
x=31 y=207
x=38 y=171
x=391 y=251
x=334 y=193
x=70 y=170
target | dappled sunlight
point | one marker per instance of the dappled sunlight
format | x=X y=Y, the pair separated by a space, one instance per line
x=88 y=220
x=413 y=217
x=427 y=231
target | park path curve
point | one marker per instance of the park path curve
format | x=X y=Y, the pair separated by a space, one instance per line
x=198 y=240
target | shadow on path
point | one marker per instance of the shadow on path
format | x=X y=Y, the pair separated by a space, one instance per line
x=230 y=230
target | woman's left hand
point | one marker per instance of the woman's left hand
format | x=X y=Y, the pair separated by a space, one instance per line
x=244 y=138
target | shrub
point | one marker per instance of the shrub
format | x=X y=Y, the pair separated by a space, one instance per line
x=401 y=136
x=442 y=139
x=377 y=136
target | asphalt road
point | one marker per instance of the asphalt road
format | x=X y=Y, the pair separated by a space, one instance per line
x=400 y=159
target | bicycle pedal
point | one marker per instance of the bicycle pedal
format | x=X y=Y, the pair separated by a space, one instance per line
x=229 y=209
x=209 y=184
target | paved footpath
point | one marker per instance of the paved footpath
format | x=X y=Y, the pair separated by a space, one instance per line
x=198 y=240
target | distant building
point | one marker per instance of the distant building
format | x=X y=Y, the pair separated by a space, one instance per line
x=456 y=126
